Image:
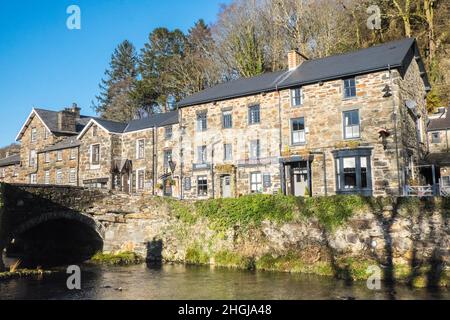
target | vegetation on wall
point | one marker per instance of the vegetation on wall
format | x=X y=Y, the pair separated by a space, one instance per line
x=250 y=211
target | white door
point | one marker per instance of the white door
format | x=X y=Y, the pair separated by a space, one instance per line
x=300 y=184
x=226 y=187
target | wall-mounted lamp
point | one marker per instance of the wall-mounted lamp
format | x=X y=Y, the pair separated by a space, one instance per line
x=384 y=134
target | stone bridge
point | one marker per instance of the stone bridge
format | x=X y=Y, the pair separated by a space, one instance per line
x=48 y=221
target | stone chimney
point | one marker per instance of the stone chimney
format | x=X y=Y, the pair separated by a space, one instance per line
x=67 y=119
x=295 y=59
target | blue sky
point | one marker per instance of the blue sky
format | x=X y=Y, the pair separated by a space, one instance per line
x=44 y=64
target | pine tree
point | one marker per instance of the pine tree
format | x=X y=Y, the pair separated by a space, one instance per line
x=116 y=101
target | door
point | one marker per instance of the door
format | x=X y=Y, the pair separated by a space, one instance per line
x=300 y=182
x=226 y=186
x=167 y=187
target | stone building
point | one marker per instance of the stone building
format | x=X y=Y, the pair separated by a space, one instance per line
x=66 y=148
x=129 y=156
x=352 y=123
x=344 y=124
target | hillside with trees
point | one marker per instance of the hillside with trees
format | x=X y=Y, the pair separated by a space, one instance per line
x=251 y=37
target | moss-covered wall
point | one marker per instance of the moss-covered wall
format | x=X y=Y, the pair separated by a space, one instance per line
x=337 y=236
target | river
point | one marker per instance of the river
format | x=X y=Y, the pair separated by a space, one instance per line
x=169 y=282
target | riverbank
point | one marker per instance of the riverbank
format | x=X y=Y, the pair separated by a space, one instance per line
x=340 y=236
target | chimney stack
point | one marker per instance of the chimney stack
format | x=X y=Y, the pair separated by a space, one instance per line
x=67 y=118
x=295 y=59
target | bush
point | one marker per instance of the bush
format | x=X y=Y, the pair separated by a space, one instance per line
x=233 y=260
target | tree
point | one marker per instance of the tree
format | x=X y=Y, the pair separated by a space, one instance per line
x=115 y=101
x=157 y=61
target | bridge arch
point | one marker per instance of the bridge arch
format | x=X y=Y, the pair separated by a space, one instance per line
x=58 y=215
x=56 y=238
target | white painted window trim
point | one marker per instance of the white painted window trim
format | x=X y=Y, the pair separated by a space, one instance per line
x=137 y=179
x=47 y=177
x=138 y=156
x=72 y=173
x=62 y=176
x=91 y=147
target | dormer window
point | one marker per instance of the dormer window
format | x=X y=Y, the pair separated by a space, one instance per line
x=296 y=97
x=349 y=88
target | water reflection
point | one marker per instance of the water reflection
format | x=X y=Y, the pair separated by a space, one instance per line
x=180 y=282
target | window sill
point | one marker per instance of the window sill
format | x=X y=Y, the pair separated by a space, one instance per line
x=301 y=144
x=349 y=98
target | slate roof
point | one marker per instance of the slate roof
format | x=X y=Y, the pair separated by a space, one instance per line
x=382 y=57
x=439 y=159
x=9 y=161
x=67 y=143
x=50 y=119
x=112 y=126
x=155 y=120
x=440 y=123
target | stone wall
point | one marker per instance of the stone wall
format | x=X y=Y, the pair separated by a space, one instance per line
x=389 y=233
x=9 y=174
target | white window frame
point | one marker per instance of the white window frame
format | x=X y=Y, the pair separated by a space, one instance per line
x=59 y=177
x=138 y=149
x=33 y=178
x=293 y=97
x=73 y=153
x=32 y=158
x=301 y=134
x=91 y=154
x=47 y=157
x=72 y=174
x=138 y=187
x=59 y=155
x=230 y=154
x=47 y=177
x=33 y=135
x=257 y=185
x=46 y=134
x=255 y=146
x=2 y=173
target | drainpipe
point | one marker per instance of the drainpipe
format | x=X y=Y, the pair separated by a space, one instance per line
x=399 y=175
x=78 y=167
x=280 y=146
x=153 y=162
x=181 y=153
x=325 y=180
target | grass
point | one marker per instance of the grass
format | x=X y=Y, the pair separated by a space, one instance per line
x=195 y=255
x=233 y=260
x=117 y=259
